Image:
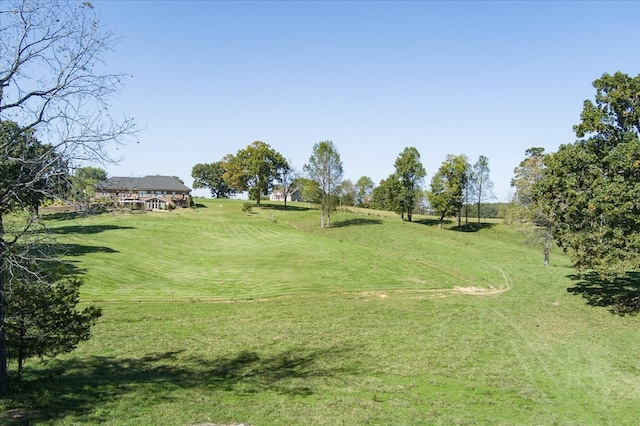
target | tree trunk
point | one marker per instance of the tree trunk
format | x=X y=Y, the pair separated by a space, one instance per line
x=4 y=377
x=547 y=245
x=466 y=213
x=20 y=351
x=479 y=200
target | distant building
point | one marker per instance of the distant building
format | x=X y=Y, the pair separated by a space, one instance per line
x=149 y=192
x=278 y=195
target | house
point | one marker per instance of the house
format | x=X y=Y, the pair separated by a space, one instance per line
x=149 y=192
x=278 y=195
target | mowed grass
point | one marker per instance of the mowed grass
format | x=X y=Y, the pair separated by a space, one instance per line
x=217 y=316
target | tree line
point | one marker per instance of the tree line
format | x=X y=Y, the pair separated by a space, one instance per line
x=259 y=169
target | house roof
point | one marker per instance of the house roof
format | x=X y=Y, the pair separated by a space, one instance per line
x=147 y=183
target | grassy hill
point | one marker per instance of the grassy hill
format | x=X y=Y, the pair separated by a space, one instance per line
x=216 y=316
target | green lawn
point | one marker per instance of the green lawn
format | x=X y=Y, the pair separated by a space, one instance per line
x=214 y=315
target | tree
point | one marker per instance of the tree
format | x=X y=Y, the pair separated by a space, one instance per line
x=446 y=194
x=325 y=168
x=386 y=196
x=310 y=190
x=480 y=182
x=378 y=196
x=346 y=193
x=591 y=187
x=85 y=180
x=254 y=169
x=211 y=176
x=42 y=318
x=529 y=174
x=288 y=181
x=410 y=173
x=364 y=190
x=53 y=83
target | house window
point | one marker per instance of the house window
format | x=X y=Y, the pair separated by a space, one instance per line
x=142 y=193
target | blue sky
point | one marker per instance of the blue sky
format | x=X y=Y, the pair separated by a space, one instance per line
x=474 y=78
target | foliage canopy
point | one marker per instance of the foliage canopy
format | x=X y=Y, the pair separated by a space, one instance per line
x=211 y=176
x=591 y=188
x=253 y=169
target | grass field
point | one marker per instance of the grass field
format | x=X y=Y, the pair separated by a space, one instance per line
x=216 y=316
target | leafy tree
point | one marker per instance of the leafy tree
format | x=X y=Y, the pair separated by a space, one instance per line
x=364 y=190
x=446 y=194
x=410 y=173
x=310 y=190
x=288 y=181
x=387 y=195
x=480 y=182
x=29 y=171
x=211 y=176
x=346 y=193
x=379 y=196
x=42 y=318
x=592 y=186
x=254 y=169
x=325 y=168
x=528 y=174
x=85 y=180
x=53 y=83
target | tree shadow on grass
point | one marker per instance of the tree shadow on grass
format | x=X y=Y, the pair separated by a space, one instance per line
x=472 y=227
x=621 y=296
x=289 y=207
x=76 y=387
x=79 y=249
x=355 y=222
x=431 y=222
x=86 y=229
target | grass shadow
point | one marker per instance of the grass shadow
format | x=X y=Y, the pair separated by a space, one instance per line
x=75 y=387
x=621 y=296
x=472 y=227
x=355 y=222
